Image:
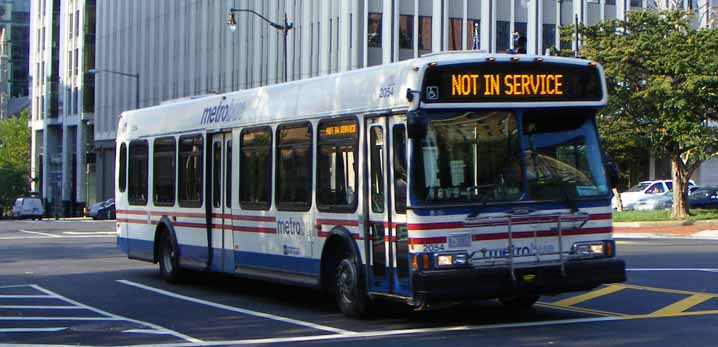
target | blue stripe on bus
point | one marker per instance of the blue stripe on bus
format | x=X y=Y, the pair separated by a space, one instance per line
x=122 y=244
x=435 y=211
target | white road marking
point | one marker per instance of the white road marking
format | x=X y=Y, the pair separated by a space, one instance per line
x=30 y=330
x=38 y=233
x=15 y=286
x=89 y=232
x=145 y=331
x=28 y=297
x=55 y=237
x=370 y=334
x=239 y=310
x=674 y=269
x=22 y=307
x=111 y=316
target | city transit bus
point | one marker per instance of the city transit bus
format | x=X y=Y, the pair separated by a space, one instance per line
x=447 y=178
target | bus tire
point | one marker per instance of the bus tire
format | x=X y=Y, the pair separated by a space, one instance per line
x=519 y=303
x=169 y=260
x=351 y=298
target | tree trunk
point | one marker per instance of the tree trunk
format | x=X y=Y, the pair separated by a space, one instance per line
x=617 y=200
x=679 y=174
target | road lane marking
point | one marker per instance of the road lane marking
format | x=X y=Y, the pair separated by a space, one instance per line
x=580 y=310
x=15 y=286
x=22 y=307
x=674 y=269
x=680 y=306
x=39 y=233
x=28 y=297
x=31 y=330
x=55 y=237
x=610 y=289
x=89 y=232
x=385 y=333
x=62 y=318
x=117 y=317
x=237 y=309
x=658 y=290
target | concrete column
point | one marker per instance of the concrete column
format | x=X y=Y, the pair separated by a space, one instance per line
x=81 y=177
x=603 y=10
x=357 y=19
x=324 y=60
x=578 y=10
x=557 y=28
x=365 y=45
x=534 y=27
x=275 y=55
x=387 y=28
x=344 y=38
x=512 y=22
x=35 y=162
x=307 y=52
x=66 y=163
x=395 y=30
x=621 y=8
x=291 y=38
x=488 y=25
x=416 y=29
x=437 y=43
x=46 y=163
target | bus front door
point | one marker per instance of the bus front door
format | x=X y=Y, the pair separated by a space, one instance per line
x=388 y=264
x=221 y=202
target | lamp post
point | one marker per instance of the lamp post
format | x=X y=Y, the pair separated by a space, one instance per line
x=232 y=24
x=135 y=76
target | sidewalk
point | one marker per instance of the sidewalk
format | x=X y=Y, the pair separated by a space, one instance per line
x=707 y=230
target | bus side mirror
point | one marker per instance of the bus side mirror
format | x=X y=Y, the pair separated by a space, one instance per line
x=416 y=126
x=612 y=172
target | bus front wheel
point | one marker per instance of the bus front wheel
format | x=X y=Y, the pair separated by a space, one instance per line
x=351 y=299
x=169 y=261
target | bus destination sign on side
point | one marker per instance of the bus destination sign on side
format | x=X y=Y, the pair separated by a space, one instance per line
x=511 y=82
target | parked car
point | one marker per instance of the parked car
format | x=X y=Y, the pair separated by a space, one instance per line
x=659 y=201
x=28 y=207
x=705 y=197
x=646 y=189
x=102 y=210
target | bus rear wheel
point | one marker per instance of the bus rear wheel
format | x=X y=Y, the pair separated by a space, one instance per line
x=351 y=299
x=169 y=260
x=519 y=303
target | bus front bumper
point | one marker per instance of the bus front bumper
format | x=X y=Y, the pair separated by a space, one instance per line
x=489 y=283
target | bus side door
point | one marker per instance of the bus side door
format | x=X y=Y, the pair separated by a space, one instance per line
x=221 y=201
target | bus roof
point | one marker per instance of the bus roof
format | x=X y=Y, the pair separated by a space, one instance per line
x=382 y=88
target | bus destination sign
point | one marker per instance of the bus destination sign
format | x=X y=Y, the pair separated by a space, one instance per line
x=511 y=82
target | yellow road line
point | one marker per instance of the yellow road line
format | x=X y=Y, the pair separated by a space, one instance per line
x=581 y=310
x=610 y=289
x=661 y=290
x=682 y=305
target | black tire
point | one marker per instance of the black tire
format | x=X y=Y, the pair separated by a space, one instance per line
x=351 y=297
x=519 y=303
x=169 y=260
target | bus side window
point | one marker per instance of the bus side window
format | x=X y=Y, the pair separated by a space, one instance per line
x=336 y=165
x=294 y=167
x=399 y=161
x=255 y=171
x=191 y=163
x=138 y=165
x=376 y=145
x=122 y=174
x=163 y=171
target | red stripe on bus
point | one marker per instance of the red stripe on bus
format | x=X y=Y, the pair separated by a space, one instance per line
x=254 y=218
x=435 y=226
x=326 y=234
x=190 y=225
x=132 y=221
x=139 y=212
x=350 y=223
x=254 y=230
x=427 y=240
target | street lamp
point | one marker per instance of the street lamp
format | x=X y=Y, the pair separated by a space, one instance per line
x=232 y=24
x=135 y=76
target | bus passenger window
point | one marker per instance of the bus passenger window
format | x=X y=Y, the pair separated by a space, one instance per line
x=399 y=161
x=228 y=175
x=137 y=190
x=255 y=176
x=122 y=174
x=191 y=170
x=163 y=172
x=294 y=167
x=217 y=174
x=336 y=166
x=376 y=143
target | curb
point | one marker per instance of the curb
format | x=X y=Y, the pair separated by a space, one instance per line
x=676 y=223
x=701 y=235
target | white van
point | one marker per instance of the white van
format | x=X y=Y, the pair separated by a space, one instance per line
x=28 y=208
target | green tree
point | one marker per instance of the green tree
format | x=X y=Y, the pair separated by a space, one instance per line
x=662 y=79
x=14 y=159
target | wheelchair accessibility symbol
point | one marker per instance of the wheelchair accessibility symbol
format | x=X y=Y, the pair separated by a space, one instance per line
x=432 y=93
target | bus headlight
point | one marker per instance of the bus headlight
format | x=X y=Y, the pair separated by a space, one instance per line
x=456 y=259
x=592 y=249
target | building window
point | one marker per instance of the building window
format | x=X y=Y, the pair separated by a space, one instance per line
x=294 y=167
x=502 y=36
x=337 y=166
x=611 y=2
x=455 y=34
x=255 y=176
x=374 y=31
x=425 y=33
x=163 y=172
x=549 y=36
x=406 y=31
x=636 y=3
x=137 y=189
x=122 y=173
x=470 y=33
x=190 y=170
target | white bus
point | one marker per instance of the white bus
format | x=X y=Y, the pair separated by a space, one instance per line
x=451 y=177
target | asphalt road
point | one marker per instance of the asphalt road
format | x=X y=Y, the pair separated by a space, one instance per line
x=65 y=283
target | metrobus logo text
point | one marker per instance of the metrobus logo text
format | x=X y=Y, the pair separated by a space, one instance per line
x=222 y=112
x=290 y=227
x=506 y=85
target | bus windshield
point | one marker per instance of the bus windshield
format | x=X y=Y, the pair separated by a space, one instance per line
x=481 y=157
